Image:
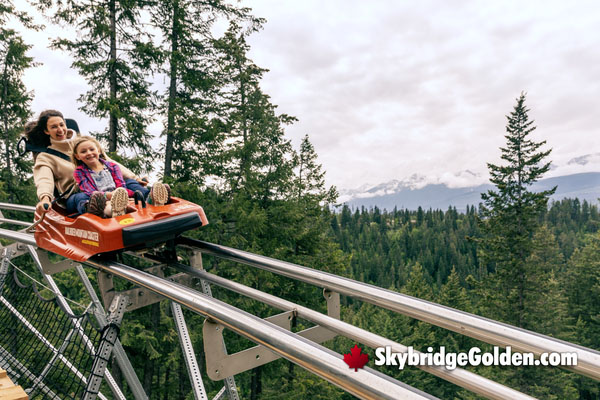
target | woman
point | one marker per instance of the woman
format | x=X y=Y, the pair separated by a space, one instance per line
x=51 y=170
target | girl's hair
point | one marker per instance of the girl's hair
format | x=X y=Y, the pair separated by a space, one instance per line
x=80 y=140
x=35 y=130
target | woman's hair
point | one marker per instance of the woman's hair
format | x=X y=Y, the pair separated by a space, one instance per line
x=35 y=130
x=80 y=140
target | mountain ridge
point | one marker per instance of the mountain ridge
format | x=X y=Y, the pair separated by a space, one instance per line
x=413 y=192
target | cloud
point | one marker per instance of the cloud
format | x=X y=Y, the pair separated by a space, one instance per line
x=388 y=89
x=396 y=88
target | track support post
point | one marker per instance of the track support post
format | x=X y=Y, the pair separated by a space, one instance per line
x=230 y=387
x=110 y=335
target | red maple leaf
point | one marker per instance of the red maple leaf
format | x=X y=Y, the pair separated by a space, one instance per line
x=354 y=359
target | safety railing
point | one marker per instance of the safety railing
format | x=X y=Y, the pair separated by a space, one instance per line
x=484 y=329
x=323 y=362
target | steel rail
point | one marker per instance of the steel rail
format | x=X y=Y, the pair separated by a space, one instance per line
x=484 y=329
x=468 y=380
x=364 y=383
x=21 y=237
x=16 y=207
x=14 y=222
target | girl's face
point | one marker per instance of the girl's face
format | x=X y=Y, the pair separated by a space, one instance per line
x=87 y=152
x=56 y=128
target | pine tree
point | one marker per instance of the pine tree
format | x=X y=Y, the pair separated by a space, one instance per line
x=511 y=216
x=193 y=129
x=257 y=156
x=15 y=100
x=113 y=52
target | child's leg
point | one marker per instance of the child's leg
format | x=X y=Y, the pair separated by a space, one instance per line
x=118 y=202
x=76 y=203
x=97 y=204
x=159 y=195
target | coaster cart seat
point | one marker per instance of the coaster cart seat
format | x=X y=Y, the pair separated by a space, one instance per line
x=81 y=237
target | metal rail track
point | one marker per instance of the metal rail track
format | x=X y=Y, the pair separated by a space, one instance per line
x=484 y=329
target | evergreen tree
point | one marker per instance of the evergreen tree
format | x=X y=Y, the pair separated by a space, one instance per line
x=310 y=176
x=257 y=156
x=193 y=129
x=15 y=101
x=113 y=52
x=511 y=216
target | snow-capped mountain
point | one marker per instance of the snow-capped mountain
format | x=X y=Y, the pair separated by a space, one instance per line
x=577 y=177
x=443 y=192
x=414 y=182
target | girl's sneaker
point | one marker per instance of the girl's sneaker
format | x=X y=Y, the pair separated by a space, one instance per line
x=159 y=195
x=168 y=191
x=118 y=201
x=97 y=204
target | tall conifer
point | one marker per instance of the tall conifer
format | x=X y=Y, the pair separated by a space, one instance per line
x=115 y=54
x=15 y=99
x=193 y=128
x=511 y=216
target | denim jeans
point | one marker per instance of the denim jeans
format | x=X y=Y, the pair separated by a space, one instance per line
x=134 y=185
x=76 y=203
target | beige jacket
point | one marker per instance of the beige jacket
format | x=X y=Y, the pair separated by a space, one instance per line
x=49 y=170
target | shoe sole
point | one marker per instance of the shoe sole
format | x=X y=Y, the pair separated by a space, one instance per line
x=160 y=196
x=118 y=202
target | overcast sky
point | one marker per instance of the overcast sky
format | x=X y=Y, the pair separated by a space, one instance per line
x=387 y=89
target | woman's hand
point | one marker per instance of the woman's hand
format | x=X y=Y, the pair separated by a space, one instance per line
x=142 y=181
x=44 y=205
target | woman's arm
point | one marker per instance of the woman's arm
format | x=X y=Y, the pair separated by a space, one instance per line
x=44 y=179
x=44 y=183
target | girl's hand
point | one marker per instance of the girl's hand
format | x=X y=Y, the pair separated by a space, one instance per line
x=43 y=206
x=142 y=181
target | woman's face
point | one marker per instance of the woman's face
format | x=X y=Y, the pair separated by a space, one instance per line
x=56 y=128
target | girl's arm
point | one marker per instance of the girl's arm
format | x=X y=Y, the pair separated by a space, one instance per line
x=86 y=185
x=118 y=177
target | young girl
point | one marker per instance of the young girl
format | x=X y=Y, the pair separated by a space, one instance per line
x=100 y=180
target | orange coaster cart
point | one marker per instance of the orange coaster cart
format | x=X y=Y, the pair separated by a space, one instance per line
x=143 y=226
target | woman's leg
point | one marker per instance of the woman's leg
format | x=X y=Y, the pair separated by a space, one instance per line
x=76 y=203
x=134 y=185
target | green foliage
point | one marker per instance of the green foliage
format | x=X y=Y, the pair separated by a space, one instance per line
x=193 y=129
x=511 y=216
x=15 y=101
x=113 y=52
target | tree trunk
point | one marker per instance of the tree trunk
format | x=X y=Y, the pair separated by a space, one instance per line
x=172 y=91
x=256 y=383
x=244 y=167
x=4 y=113
x=149 y=365
x=112 y=71
x=148 y=373
x=166 y=384
x=181 y=372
